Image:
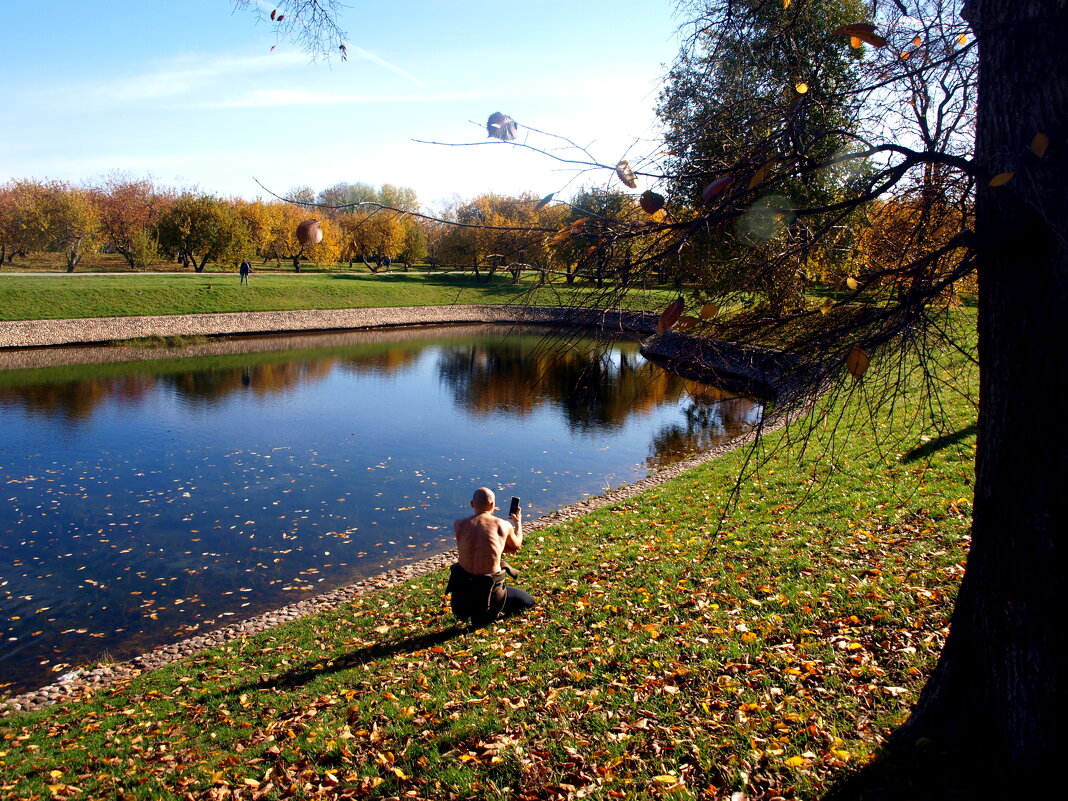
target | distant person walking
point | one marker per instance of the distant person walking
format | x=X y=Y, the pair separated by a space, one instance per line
x=246 y=270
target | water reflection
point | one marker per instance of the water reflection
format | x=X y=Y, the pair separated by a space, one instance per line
x=143 y=501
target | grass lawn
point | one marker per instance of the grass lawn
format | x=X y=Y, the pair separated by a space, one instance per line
x=664 y=659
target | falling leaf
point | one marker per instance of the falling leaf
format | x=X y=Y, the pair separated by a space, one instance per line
x=1039 y=144
x=785 y=4
x=855 y=41
x=281 y=17
x=651 y=202
x=852 y=283
x=310 y=232
x=626 y=174
x=962 y=39
x=801 y=87
x=670 y=316
x=709 y=193
x=545 y=201
x=501 y=126
x=274 y=13
x=709 y=310
x=1001 y=179
x=760 y=175
x=686 y=323
x=857 y=362
x=917 y=41
x=863 y=31
x=826 y=306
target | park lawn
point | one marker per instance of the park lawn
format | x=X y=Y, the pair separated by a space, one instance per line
x=60 y=296
x=667 y=656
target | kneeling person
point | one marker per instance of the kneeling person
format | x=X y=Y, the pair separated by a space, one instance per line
x=477 y=580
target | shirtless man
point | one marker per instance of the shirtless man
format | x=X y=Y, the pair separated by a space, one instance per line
x=476 y=581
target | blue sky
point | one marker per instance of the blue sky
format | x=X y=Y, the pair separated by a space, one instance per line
x=191 y=93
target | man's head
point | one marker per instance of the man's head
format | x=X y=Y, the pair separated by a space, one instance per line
x=483 y=500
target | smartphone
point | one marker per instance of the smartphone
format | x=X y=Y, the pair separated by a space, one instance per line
x=513 y=507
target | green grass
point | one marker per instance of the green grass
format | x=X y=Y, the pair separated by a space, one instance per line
x=663 y=659
x=60 y=296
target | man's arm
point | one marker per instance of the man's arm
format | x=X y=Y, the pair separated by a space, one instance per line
x=513 y=540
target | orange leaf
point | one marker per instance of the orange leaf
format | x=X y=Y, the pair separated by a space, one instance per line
x=709 y=310
x=1039 y=144
x=1001 y=179
x=801 y=87
x=670 y=316
x=857 y=362
x=863 y=31
x=962 y=39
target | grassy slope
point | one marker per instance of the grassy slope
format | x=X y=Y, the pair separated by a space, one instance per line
x=661 y=659
x=58 y=296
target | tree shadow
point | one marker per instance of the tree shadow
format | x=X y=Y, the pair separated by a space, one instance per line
x=920 y=772
x=302 y=674
x=937 y=444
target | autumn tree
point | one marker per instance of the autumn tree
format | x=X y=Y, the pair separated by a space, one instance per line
x=200 y=229
x=129 y=210
x=23 y=219
x=73 y=222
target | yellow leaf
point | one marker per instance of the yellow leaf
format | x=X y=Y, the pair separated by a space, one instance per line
x=795 y=761
x=857 y=362
x=1039 y=144
x=862 y=31
x=962 y=39
x=761 y=174
x=382 y=629
x=1001 y=179
x=785 y=4
x=709 y=310
x=666 y=778
x=801 y=87
x=55 y=774
x=851 y=282
x=826 y=306
x=855 y=41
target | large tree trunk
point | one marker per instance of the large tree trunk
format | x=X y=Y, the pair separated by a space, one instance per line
x=991 y=702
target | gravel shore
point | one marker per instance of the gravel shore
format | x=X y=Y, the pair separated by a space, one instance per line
x=28 y=343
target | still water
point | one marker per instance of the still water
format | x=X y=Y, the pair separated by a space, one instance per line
x=142 y=501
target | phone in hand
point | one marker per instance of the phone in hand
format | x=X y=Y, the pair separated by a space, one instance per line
x=513 y=507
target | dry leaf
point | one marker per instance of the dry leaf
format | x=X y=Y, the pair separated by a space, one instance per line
x=761 y=174
x=626 y=174
x=852 y=282
x=1039 y=144
x=670 y=316
x=709 y=310
x=501 y=126
x=857 y=362
x=709 y=193
x=651 y=202
x=1001 y=179
x=545 y=201
x=863 y=31
x=309 y=232
x=826 y=306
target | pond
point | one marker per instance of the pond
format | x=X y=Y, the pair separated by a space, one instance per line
x=144 y=500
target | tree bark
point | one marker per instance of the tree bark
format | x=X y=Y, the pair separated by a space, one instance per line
x=991 y=701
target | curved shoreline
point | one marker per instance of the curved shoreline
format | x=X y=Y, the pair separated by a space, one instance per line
x=725 y=363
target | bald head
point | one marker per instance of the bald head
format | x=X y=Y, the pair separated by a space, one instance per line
x=483 y=500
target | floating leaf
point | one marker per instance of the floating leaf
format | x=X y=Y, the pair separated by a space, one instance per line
x=801 y=87
x=626 y=174
x=1039 y=144
x=545 y=201
x=501 y=126
x=709 y=193
x=857 y=362
x=651 y=202
x=709 y=310
x=863 y=31
x=760 y=175
x=851 y=282
x=309 y=232
x=670 y=316
x=1001 y=179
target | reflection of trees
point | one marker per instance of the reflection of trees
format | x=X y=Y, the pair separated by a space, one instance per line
x=595 y=388
x=73 y=400
x=210 y=386
x=712 y=417
x=384 y=362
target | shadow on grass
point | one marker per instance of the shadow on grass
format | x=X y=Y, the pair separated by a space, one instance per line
x=302 y=674
x=937 y=444
x=917 y=774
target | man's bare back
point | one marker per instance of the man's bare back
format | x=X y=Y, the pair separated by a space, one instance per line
x=482 y=538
